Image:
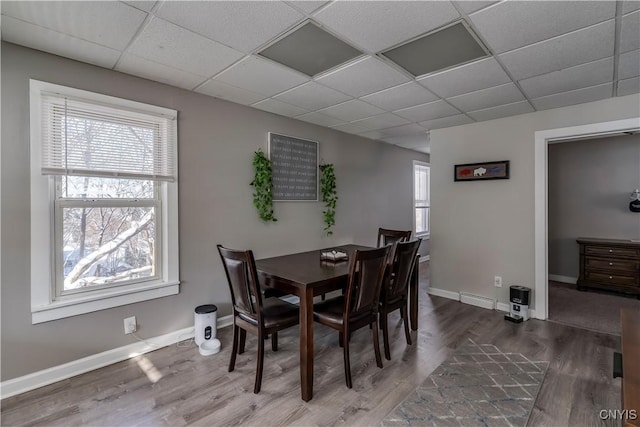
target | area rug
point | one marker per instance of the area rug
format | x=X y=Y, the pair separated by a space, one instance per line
x=593 y=310
x=479 y=385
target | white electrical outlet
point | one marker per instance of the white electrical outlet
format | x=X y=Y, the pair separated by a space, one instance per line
x=497 y=281
x=130 y=325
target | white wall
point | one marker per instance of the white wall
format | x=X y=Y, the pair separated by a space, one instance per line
x=485 y=228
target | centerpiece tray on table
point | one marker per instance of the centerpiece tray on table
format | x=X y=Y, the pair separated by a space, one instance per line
x=334 y=255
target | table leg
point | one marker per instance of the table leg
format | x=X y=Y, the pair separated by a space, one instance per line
x=413 y=296
x=306 y=344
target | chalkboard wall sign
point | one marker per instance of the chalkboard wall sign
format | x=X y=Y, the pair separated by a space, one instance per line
x=294 y=163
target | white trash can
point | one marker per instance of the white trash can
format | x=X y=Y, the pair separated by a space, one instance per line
x=205 y=321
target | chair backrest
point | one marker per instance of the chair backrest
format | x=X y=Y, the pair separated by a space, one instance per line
x=242 y=276
x=366 y=272
x=403 y=260
x=386 y=236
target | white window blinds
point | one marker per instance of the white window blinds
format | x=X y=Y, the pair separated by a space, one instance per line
x=85 y=137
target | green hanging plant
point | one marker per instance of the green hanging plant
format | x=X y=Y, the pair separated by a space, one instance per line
x=329 y=196
x=263 y=183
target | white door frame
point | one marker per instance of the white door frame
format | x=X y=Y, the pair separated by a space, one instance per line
x=542 y=140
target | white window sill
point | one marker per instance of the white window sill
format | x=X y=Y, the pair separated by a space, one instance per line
x=113 y=298
x=423 y=235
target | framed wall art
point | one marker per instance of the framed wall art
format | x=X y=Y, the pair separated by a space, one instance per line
x=481 y=171
x=294 y=163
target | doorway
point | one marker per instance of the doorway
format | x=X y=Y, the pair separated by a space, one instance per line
x=542 y=140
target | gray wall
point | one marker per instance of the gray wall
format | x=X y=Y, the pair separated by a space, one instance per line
x=216 y=143
x=589 y=186
x=485 y=228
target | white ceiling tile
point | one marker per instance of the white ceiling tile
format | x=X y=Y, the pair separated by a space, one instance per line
x=351 y=128
x=430 y=111
x=630 y=6
x=279 y=107
x=230 y=93
x=374 y=134
x=319 y=119
x=513 y=24
x=419 y=142
x=308 y=6
x=242 y=25
x=629 y=86
x=26 y=34
x=312 y=96
x=381 y=121
x=576 y=48
x=580 y=76
x=363 y=77
x=502 y=111
x=402 y=96
x=466 y=78
x=168 y=44
x=351 y=110
x=470 y=6
x=378 y=25
x=145 y=5
x=141 y=67
x=446 y=122
x=630 y=32
x=409 y=129
x=486 y=98
x=573 y=97
x=629 y=65
x=107 y=23
x=261 y=76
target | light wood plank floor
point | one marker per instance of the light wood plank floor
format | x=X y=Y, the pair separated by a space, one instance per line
x=175 y=386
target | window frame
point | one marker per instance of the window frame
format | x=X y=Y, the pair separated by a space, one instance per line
x=46 y=305
x=418 y=163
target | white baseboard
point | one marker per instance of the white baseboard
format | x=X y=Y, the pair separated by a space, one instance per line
x=563 y=279
x=425 y=258
x=444 y=293
x=477 y=300
x=501 y=306
x=54 y=374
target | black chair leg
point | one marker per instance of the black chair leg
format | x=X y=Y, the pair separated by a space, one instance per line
x=243 y=339
x=405 y=318
x=347 y=363
x=234 y=349
x=376 y=344
x=274 y=341
x=384 y=325
x=256 y=388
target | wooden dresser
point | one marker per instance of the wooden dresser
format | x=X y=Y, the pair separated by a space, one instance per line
x=609 y=264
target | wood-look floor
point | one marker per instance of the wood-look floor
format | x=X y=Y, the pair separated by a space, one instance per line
x=175 y=386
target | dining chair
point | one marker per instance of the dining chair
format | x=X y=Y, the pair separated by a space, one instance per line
x=395 y=289
x=387 y=236
x=358 y=307
x=250 y=312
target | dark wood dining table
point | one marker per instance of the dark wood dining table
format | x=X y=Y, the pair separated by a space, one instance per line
x=305 y=275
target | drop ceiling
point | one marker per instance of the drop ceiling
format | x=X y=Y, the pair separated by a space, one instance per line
x=538 y=55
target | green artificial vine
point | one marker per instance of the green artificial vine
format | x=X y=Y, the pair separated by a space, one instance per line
x=329 y=196
x=262 y=182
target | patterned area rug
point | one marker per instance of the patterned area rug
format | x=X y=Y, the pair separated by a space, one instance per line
x=479 y=385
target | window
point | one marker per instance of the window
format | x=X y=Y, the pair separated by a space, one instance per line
x=103 y=202
x=421 y=192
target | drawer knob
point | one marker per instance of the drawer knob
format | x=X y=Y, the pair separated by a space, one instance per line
x=610 y=277
x=610 y=263
x=610 y=251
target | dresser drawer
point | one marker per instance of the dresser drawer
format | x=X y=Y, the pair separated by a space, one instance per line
x=611 y=251
x=613 y=278
x=611 y=264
